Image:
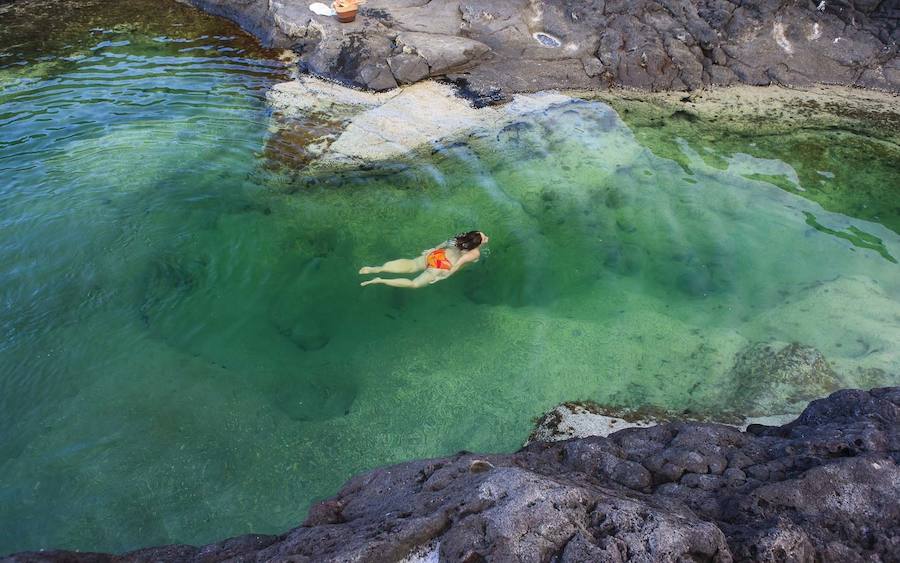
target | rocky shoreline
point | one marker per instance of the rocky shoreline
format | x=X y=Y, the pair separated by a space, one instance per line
x=823 y=487
x=416 y=75
x=492 y=49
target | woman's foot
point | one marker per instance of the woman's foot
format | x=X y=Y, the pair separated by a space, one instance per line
x=367 y=282
x=368 y=270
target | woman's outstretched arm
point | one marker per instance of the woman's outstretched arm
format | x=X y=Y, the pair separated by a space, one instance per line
x=470 y=256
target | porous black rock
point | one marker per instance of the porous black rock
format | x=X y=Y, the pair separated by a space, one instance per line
x=823 y=487
x=494 y=48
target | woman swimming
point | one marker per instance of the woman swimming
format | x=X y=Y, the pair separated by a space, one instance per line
x=436 y=263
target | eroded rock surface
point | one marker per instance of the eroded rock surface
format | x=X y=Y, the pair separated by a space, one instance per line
x=823 y=487
x=494 y=48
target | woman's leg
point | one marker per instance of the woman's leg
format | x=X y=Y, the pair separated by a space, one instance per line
x=421 y=281
x=400 y=266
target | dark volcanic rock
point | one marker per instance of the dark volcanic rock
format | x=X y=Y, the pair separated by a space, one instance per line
x=491 y=47
x=823 y=488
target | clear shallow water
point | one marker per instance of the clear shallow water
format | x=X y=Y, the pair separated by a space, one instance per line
x=186 y=353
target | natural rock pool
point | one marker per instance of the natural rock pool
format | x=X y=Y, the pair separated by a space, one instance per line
x=186 y=353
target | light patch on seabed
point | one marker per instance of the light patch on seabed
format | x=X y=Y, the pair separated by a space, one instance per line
x=393 y=124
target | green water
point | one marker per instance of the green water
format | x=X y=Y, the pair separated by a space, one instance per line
x=186 y=353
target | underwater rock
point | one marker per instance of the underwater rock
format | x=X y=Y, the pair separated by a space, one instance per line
x=494 y=48
x=823 y=487
x=389 y=125
x=310 y=95
x=776 y=377
x=306 y=336
x=624 y=259
x=696 y=283
x=169 y=279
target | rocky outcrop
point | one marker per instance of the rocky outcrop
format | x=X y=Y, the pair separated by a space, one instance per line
x=823 y=487
x=493 y=48
x=388 y=125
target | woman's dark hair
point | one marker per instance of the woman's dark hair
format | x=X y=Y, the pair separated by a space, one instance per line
x=468 y=241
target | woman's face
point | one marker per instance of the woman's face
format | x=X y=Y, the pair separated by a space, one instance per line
x=484 y=238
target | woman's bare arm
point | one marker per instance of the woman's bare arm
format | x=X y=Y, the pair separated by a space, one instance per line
x=470 y=256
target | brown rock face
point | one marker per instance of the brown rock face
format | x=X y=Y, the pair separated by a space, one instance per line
x=824 y=488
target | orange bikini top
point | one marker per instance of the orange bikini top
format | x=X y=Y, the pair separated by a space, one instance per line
x=438 y=259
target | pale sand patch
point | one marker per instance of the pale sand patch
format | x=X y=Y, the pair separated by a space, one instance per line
x=420 y=114
x=572 y=420
x=576 y=421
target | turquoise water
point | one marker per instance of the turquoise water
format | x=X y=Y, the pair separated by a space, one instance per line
x=186 y=352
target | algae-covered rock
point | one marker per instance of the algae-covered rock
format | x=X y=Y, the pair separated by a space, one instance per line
x=772 y=377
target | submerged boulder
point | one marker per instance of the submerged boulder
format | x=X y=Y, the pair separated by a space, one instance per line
x=779 y=377
x=823 y=487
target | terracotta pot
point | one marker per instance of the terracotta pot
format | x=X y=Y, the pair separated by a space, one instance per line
x=346 y=11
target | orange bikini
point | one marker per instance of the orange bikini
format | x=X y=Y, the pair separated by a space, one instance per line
x=438 y=259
